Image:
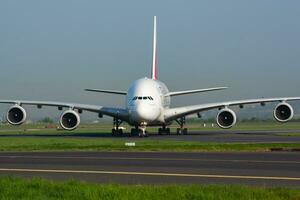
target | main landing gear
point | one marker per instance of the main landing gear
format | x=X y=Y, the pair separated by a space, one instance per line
x=164 y=130
x=141 y=129
x=116 y=130
x=181 y=130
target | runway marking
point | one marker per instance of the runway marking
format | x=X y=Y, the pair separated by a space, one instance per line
x=158 y=159
x=151 y=174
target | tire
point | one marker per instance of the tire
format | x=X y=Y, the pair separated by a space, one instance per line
x=132 y=132
x=185 y=131
x=159 y=131
x=168 y=131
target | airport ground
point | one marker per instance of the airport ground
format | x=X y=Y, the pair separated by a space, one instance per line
x=250 y=136
x=254 y=160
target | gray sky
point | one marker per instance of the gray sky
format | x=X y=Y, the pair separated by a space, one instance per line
x=52 y=50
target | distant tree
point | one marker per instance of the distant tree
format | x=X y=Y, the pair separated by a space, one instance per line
x=46 y=120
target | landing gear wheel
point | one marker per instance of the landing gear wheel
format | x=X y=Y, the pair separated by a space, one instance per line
x=133 y=132
x=160 y=131
x=116 y=132
x=168 y=131
x=185 y=131
x=142 y=134
x=181 y=130
x=116 y=124
x=178 y=131
x=164 y=130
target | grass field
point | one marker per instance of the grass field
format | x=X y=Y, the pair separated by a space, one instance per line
x=17 y=188
x=41 y=139
x=118 y=144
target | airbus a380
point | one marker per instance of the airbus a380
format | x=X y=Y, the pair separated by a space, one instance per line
x=148 y=104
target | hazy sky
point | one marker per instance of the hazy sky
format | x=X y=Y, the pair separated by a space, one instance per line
x=52 y=50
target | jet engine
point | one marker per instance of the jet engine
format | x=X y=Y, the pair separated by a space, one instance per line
x=283 y=112
x=69 y=120
x=226 y=118
x=16 y=115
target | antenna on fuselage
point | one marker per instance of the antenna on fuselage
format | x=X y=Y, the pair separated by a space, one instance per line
x=154 y=59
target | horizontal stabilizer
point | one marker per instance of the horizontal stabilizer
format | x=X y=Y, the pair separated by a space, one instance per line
x=194 y=91
x=107 y=91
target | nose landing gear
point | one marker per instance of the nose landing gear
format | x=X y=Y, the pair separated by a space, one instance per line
x=140 y=130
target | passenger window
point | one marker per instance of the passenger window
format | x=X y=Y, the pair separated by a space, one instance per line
x=144 y=97
x=140 y=98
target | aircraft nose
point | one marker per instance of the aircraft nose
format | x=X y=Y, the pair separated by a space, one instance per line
x=147 y=113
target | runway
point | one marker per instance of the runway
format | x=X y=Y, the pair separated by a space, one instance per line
x=264 y=169
x=238 y=136
x=228 y=136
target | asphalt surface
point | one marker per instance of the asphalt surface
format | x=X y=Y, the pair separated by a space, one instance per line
x=264 y=169
x=228 y=136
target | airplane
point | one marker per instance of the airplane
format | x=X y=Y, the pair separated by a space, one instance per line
x=148 y=104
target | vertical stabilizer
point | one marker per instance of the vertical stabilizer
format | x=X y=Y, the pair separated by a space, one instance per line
x=154 y=60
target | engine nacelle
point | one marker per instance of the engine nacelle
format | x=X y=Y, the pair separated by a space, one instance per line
x=16 y=115
x=226 y=118
x=283 y=112
x=69 y=120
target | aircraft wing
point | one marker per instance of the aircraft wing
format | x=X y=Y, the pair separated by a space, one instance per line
x=175 y=113
x=107 y=91
x=194 y=91
x=109 y=111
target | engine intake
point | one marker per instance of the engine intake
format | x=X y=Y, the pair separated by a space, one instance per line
x=226 y=118
x=69 y=120
x=283 y=112
x=16 y=115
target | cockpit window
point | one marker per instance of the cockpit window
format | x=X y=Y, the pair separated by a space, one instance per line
x=142 y=98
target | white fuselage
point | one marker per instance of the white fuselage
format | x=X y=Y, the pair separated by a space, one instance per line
x=146 y=101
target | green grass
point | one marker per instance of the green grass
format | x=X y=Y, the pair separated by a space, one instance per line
x=17 y=188
x=40 y=139
x=118 y=144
